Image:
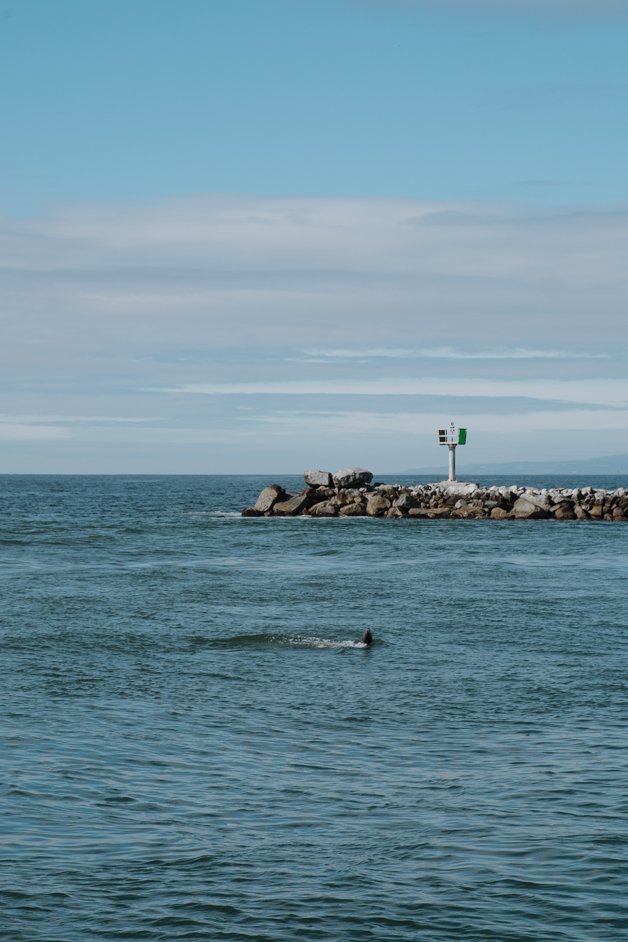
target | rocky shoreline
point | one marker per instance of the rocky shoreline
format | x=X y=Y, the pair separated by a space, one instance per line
x=351 y=493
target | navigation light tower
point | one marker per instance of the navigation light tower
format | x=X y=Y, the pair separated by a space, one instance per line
x=451 y=437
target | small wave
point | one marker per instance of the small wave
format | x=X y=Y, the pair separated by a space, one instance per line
x=269 y=639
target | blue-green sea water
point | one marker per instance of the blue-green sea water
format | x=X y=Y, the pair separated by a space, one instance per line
x=192 y=747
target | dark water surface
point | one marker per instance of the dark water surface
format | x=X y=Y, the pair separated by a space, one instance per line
x=192 y=749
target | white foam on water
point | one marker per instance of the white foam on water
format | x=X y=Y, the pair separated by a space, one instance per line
x=313 y=642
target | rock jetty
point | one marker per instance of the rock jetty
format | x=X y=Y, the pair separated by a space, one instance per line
x=351 y=493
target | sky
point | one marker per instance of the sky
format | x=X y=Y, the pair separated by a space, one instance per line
x=246 y=237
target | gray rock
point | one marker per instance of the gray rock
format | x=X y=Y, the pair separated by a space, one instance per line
x=389 y=491
x=353 y=510
x=344 y=497
x=352 y=477
x=538 y=498
x=377 y=505
x=525 y=509
x=318 y=478
x=269 y=497
x=289 y=508
x=405 y=501
x=351 y=495
x=472 y=509
x=459 y=488
x=326 y=508
x=498 y=513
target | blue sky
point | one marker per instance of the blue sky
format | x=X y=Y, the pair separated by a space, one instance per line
x=255 y=237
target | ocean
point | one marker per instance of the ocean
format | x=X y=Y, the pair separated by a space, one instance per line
x=194 y=748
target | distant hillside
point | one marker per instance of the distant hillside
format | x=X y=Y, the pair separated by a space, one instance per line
x=609 y=464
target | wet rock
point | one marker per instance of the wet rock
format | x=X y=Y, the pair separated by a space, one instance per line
x=295 y=505
x=356 y=509
x=447 y=499
x=498 y=513
x=531 y=506
x=269 y=497
x=325 y=508
x=564 y=511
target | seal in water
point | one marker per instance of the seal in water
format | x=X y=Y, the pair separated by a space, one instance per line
x=367 y=637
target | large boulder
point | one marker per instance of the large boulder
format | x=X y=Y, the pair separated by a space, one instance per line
x=471 y=509
x=326 y=508
x=352 y=510
x=269 y=497
x=377 y=505
x=352 y=477
x=498 y=513
x=405 y=501
x=459 y=488
x=343 y=497
x=318 y=478
x=290 y=508
x=531 y=506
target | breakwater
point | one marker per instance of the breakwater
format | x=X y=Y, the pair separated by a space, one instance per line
x=351 y=493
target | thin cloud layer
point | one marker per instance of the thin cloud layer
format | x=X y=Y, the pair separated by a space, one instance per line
x=109 y=312
x=274 y=268
x=601 y=392
x=446 y=353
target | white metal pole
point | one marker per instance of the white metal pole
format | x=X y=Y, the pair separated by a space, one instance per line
x=452 y=463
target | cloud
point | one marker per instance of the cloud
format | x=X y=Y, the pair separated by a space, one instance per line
x=606 y=392
x=18 y=432
x=446 y=353
x=30 y=420
x=177 y=312
x=281 y=273
x=402 y=423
